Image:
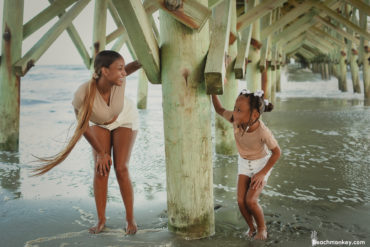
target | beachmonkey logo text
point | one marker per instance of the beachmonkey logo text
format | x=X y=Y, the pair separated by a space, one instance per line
x=314 y=238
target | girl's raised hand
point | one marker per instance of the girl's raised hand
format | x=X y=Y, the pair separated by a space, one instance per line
x=257 y=180
x=103 y=163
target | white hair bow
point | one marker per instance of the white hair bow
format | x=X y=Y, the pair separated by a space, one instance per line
x=258 y=93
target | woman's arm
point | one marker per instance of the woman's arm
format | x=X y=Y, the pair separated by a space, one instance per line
x=217 y=105
x=103 y=160
x=257 y=179
x=132 y=67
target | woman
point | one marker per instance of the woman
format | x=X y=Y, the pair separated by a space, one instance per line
x=114 y=125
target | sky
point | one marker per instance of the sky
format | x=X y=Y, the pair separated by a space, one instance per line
x=63 y=51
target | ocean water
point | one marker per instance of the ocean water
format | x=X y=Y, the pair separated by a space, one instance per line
x=320 y=184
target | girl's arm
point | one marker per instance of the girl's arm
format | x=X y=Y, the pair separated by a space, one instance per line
x=257 y=179
x=217 y=105
x=132 y=67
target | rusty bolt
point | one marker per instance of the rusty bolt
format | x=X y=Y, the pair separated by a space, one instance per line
x=173 y=5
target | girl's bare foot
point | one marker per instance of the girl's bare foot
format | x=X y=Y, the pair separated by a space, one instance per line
x=251 y=232
x=98 y=228
x=131 y=227
x=261 y=234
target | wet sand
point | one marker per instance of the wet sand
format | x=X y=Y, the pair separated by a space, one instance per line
x=321 y=183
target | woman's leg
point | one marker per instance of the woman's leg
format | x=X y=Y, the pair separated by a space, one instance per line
x=257 y=212
x=243 y=185
x=123 y=140
x=100 y=182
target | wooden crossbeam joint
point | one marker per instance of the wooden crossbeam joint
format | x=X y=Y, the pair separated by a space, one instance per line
x=256 y=44
x=173 y=5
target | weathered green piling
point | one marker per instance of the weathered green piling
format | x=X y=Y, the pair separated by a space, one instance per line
x=225 y=143
x=343 y=71
x=142 y=90
x=365 y=57
x=253 y=71
x=187 y=128
x=11 y=50
x=99 y=29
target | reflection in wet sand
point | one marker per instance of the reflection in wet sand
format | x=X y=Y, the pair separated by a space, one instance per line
x=321 y=183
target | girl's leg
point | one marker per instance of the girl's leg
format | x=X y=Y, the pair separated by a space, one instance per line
x=243 y=185
x=100 y=182
x=257 y=212
x=123 y=140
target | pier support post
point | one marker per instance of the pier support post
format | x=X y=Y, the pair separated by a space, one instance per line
x=225 y=143
x=343 y=71
x=99 y=30
x=11 y=51
x=187 y=128
x=253 y=71
x=142 y=90
x=365 y=57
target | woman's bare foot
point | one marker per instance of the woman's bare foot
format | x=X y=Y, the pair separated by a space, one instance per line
x=131 y=227
x=98 y=228
x=261 y=234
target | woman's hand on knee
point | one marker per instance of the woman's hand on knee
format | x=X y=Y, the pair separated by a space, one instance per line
x=103 y=163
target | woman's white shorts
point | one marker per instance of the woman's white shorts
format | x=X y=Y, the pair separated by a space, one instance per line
x=251 y=167
x=128 y=118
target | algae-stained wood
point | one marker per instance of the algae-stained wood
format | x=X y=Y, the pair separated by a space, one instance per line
x=213 y=3
x=361 y=5
x=295 y=29
x=285 y=19
x=341 y=19
x=328 y=36
x=337 y=29
x=140 y=33
x=187 y=129
x=243 y=52
x=11 y=50
x=99 y=26
x=191 y=13
x=214 y=72
x=257 y=12
x=28 y=60
x=55 y=9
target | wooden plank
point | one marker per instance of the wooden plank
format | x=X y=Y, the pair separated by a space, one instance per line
x=191 y=13
x=45 y=16
x=337 y=29
x=150 y=6
x=322 y=33
x=214 y=72
x=77 y=41
x=113 y=12
x=214 y=3
x=341 y=19
x=295 y=43
x=316 y=45
x=243 y=51
x=285 y=19
x=364 y=7
x=321 y=41
x=115 y=34
x=139 y=30
x=257 y=12
x=23 y=65
x=265 y=22
x=295 y=29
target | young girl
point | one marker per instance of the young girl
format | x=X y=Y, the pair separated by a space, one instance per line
x=253 y=140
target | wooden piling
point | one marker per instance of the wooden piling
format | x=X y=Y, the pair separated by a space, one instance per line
x=11 y=50
x=253 y=71
x=187 y=128
x=343 y=71
x=142 y=90
x=99 y=29
x=225 y=143
x=365 y=57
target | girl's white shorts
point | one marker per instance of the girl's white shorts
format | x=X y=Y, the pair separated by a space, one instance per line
x=251 y=167
x=128 y=118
